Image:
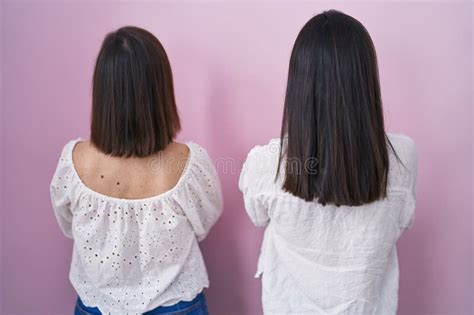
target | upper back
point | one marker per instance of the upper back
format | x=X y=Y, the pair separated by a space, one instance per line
x=133 y=177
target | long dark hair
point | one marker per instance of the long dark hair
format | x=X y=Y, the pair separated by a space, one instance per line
x=133 y=105
x=332 y=137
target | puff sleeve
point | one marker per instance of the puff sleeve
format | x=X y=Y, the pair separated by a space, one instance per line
x=59 y=189
x=254 y=178
x=201 y=199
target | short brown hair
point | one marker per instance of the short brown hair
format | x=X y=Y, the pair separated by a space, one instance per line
x=133 y=105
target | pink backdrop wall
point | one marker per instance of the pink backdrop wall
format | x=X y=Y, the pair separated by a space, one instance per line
x=230 y=63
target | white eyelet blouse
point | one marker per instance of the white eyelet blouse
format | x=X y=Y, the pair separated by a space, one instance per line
x=133 y=255
x=325 y=259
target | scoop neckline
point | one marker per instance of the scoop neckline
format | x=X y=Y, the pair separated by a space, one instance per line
x=184 y=174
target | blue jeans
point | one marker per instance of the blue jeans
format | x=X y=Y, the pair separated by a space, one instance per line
x=198 y=306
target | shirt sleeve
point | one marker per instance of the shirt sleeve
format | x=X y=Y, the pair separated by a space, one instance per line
x=59 y=194
x=411 y=165
x=201 y=199
x=250 y=184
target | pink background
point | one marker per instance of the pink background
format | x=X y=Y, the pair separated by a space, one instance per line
x=230 y=63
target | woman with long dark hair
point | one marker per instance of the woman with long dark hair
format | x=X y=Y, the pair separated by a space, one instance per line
x=335 y=192
x=135 y=201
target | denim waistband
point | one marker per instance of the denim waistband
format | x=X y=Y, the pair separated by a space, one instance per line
x=180 y=306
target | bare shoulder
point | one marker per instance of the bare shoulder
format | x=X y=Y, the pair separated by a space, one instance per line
x=179 y=149
x=178 y=154
x=82 y=154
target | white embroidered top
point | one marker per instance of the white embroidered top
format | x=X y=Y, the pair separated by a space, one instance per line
x=133 y=255
x=325 y=259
